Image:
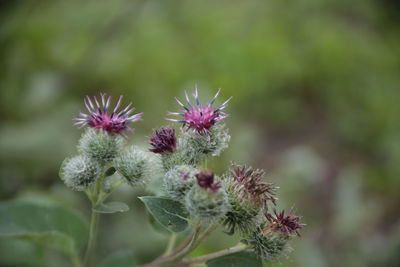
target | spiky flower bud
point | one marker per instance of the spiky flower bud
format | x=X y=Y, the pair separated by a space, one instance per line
x=268 y=247
x=79 y=172
x=163 y=141
x=132 y=164
x=248 y=185
x=100 y=145
x=286 y=224
x=208 y=201
x=195 y=145
x=179 y=180
x=270 y=241
x=248 y=196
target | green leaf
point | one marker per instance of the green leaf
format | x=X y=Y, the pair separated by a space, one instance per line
x=158 y=226
x=169 y=213
x=111 y=207
x=48 y=225
x=239 y=259
x=119 y=259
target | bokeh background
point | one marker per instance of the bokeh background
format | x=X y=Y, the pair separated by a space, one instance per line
x=316 y=104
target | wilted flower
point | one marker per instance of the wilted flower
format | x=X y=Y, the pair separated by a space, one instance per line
x=197 y=117
x=248 y=185
x=287 y=224
x=100 y=118
x=163 y=141
x=205 y=180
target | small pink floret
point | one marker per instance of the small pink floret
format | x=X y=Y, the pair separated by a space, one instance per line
x=201 y=118
x=99 y=117
x=197 y=117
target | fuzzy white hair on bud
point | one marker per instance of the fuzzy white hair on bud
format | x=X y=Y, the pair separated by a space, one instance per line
x=100 y=145
x=269 y=247
x=211 y=144
x=207 y=205
x=79 y=172
x=179 y=180
x=132 y=164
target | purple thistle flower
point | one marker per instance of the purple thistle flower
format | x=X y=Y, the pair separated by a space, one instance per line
x=163 y=141
x=198 y=117
x=287 y=224
x=100 y=118
x=248 y=185
x=205 y=180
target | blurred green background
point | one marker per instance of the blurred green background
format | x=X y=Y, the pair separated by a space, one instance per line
x=316 y=92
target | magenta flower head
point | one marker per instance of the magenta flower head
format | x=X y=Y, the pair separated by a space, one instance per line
x=163 y=141
x=205 y=180
x=287 y=224
x=200 y=118
x=100 y=118
x=249 y=185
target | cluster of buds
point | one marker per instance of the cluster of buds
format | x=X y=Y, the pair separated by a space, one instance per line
x=102 y=146
x=203 y=134
x=240 y=200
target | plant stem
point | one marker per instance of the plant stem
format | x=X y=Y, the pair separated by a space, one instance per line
x=171 y=244
x=178 y=253
x=206 y=233
x=92 y=238
x=95 y=199
x=75 y=260
x=188 y=262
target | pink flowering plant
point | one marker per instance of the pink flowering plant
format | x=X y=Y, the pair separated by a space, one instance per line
x=192 y=201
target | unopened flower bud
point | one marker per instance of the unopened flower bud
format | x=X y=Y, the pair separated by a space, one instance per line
x=163 y=141
x=100 y=145
x=210 y=144
x=269 y=247
x=249 y=196
x=132 y=164
x=179 y=180
x=208 y=202
x=79 y=172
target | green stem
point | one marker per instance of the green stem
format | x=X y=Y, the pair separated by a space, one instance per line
x=201 y=259
x=94 y=220
x=171 y=244
x=92 y=238
x=206 y=233
x=75 y=260
x=177 y=254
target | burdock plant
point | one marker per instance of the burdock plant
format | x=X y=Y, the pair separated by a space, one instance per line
x=192 y=200
x=102 y=153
